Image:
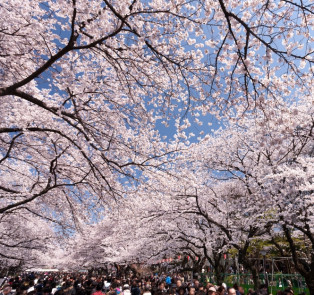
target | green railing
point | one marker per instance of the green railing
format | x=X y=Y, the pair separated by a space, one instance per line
x=275 y=282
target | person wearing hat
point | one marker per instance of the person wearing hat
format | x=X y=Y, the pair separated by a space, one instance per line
x=211 y=291
x=126 y=290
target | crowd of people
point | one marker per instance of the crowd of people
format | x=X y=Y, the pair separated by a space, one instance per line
x=81 y=284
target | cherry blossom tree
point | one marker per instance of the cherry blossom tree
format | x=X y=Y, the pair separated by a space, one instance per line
x=84 y=84
x=260 y=182
x=243 y=182
x=79 y=79
x=24 y=239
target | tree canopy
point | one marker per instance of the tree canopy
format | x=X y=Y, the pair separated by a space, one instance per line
x=85 y=87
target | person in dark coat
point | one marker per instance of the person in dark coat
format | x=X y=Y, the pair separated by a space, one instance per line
x=135 y=290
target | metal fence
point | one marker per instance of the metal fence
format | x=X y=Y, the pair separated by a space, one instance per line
x=275 y=282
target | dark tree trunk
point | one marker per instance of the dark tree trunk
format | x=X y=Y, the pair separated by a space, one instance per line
x=253 y=267
x=219 y=268
x=309 y=280
x=220 y=275
x=255 y=278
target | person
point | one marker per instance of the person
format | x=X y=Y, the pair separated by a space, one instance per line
x=148 y=286
x=98 y=290
x=232 y=291
x=88 y=286
x=135 y=290
x=31 y=288
x=191 y=290
x=288 y=291
x=126 y=290
x=201 y=291
x=161 y=289
x=211 y=291
x=208 y=285
x=196 y=285
x=181 y=291
x=178 y=284
x=236 y=287
x=21 y=291
x=54 y=288
x=147 y=290
x=241 y=290
x=221 y=291
x=6 y=290
x=16 y=283
x=263 y=290
x=68 y=288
